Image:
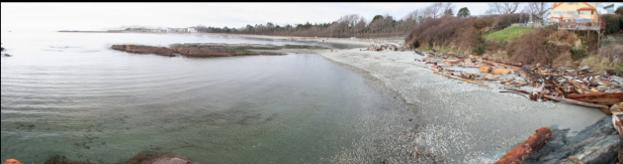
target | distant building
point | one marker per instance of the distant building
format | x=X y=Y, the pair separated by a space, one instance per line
x=181 y=30
x=609 y=8
x=575 y=16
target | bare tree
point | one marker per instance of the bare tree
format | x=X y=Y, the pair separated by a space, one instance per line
x=346 y=25
x=360 y=27
x=437 y=10
x=503 y=8
x=537 y=10
x=413 y=15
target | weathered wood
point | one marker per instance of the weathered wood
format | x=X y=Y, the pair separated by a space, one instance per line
x=602 y=108
x=480 y=83
x=599 y=97
x=521 y=152
x=499 y=63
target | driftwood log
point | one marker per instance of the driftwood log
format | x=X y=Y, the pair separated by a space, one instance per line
x=521 y=152
x=601 y=107
x=599 y=97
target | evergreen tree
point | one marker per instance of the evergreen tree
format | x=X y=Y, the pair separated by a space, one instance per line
x=463 y=12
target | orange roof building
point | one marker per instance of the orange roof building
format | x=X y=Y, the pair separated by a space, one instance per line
x=578 y=12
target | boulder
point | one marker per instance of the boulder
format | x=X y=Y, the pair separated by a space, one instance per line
x=598 y=143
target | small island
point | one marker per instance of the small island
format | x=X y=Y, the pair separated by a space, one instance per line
x=199 y=50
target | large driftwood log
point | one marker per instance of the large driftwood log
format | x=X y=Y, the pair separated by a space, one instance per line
x=521 y=152
x=602 y=108
x=598 y=97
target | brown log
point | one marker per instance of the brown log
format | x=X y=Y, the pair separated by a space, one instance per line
x=454 y=62
x=514 y=66
x=446 y=74
x=602 y=108
x=522 y=151
x=599 y=97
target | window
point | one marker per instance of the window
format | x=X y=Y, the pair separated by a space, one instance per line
x=585 y=12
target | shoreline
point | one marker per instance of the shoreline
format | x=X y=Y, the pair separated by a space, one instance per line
x=451 y=119
x=466 y=122
x=460 y=123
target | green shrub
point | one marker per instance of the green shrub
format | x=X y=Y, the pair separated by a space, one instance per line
x=578 y=52
x=612 y=22
x=480 y=49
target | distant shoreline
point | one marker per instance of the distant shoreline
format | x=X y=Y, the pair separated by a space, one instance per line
x=79 y=31
x=114 y=31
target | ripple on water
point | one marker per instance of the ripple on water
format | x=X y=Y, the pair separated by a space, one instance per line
x=106 y=106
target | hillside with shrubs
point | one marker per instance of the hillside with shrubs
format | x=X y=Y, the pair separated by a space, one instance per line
x=505 y=38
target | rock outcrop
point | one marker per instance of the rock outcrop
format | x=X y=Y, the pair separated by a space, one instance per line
x=598 y=143
x=142 y=49
x=209 y=49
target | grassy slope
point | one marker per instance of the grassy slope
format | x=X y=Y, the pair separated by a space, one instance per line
x=507 y=34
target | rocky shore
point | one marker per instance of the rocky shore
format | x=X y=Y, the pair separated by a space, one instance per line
x=598 y=143
x=514 y=120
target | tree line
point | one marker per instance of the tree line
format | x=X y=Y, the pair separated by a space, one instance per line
x=381 y=25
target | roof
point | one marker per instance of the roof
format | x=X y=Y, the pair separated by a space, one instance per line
x=587 y=8
x=586 y=3
x=609 y=6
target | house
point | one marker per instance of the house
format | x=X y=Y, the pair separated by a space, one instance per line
x=575 y=16
x=609 y=8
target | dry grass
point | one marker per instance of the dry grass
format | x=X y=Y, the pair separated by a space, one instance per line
x=457 y=32
x=534 y=48
x=608 y=58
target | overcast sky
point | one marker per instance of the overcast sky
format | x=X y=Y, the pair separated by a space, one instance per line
x=99 y=16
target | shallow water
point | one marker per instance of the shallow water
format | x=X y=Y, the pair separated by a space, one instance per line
x=68 y=94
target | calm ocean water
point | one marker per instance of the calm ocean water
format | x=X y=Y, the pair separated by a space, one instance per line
x=69 y=94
